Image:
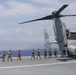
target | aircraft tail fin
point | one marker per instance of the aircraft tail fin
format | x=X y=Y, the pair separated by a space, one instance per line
x=46 y=39
x=47 y=42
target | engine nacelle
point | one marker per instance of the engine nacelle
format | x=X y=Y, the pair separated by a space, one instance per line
x=68 y=33
x=72 y=50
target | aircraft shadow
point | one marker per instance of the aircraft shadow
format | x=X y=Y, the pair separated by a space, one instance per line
x=65 y=59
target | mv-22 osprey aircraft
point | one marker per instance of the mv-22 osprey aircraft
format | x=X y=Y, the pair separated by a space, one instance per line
x=61 y=33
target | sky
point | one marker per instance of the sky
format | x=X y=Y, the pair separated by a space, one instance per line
x=31 y=35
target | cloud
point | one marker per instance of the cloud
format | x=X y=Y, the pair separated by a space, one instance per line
x=43 y=1
x=17 y=8
x=14 y=36
x=25 y=36
x=14 y=8
x=46 y=1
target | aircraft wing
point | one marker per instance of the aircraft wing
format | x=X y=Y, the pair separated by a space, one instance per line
x=53 y=42
x=72 y=36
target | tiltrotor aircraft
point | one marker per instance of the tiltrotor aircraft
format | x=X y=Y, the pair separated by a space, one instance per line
x=62 y=34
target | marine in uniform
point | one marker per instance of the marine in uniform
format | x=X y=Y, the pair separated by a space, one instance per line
x=50 y=53
x=38 y=54
x=19 y=55
x=68 y=53
x=55 y=53
x=32 y=55
x=3 y=55
x=9 y=55
x=45 y=53
x=64 y=53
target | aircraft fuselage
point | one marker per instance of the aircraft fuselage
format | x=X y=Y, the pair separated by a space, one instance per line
x=60 y=34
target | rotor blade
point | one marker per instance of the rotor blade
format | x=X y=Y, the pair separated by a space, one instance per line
x=44 y=18
x=61 y=9
x=66 y=15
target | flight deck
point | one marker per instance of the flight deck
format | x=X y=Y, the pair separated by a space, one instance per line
x=50 y=66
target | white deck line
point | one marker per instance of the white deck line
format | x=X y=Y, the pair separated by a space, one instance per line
x=36 y=65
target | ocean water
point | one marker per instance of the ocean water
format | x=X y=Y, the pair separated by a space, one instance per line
x=27 y=52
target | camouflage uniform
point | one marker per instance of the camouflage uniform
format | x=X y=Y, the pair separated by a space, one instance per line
x=55 y=53
x=9 y=55
x=64 y=53
x=38 y=54
x=19 y=55
x=68 y=53
x=32 y=55
x=45 y=53
x=50 y=53
x=3 y=55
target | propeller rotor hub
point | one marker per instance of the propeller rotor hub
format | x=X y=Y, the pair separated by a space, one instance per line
x=54 y=14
